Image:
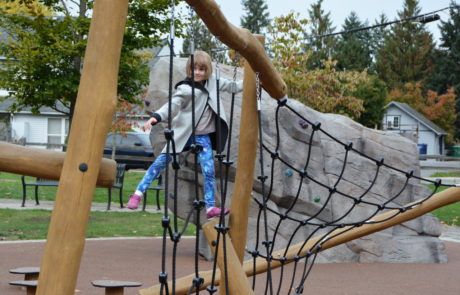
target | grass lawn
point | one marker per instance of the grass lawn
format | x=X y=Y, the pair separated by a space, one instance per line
x=448 y=214
x=33 y=224
x=446 y=174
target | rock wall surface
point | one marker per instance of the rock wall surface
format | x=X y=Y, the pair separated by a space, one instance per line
x=324 y=159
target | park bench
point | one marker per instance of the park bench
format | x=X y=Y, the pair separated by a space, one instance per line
x=114 y=287
x=157 y=188
x=118 y=184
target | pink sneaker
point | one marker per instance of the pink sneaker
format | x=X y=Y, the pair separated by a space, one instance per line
x=215 y=211
x=134 y=201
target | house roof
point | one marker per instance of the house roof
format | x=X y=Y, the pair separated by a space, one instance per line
x=417 y=116
x=5 y=104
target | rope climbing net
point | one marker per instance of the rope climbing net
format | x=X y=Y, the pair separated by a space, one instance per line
x=299 y=210
x=336 y=205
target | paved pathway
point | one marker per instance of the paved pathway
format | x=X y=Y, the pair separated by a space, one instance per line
x=139 y=259
x=48 y=205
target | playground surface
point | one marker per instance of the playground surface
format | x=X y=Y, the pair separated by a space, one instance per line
x=139 y=260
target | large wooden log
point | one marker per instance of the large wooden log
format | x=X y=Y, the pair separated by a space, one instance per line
x=45 y=163
x=242 y=41
x=96 y=102
x=228 y=262
x=444 y=198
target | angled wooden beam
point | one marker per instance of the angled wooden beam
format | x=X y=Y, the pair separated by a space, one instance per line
x=444 y=198
x=242 y=41
x=227 y=261
x=46 y=164
x=96 y=102
x=346 y=234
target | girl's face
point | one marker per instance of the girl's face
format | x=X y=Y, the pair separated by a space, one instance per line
x=199 y=73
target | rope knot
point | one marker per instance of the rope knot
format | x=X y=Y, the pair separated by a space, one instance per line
x=169 y=134
x=163 y=277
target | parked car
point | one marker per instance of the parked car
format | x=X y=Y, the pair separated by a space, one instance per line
x=134 y=149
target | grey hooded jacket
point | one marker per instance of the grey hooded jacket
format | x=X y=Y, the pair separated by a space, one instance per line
x=181 y=111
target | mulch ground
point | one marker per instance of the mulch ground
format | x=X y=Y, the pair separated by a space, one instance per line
x=140 y=260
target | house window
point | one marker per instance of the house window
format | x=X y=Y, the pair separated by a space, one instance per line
x=393 y=122
x=57 y=132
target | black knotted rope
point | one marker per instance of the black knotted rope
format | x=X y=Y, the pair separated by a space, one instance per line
x=171 y=229
x=328 y=229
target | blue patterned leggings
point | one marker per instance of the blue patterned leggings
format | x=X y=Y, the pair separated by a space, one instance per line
x=207 y=166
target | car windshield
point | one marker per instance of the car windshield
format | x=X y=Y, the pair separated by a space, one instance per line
x=144 y=138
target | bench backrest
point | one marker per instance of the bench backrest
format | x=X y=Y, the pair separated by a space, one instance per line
x=47 y=181
x=121 y=168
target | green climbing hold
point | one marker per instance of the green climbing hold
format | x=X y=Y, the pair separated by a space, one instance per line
x=317 y=199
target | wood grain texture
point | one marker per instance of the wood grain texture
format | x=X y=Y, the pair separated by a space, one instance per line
x=96 y=102
x=46 y=164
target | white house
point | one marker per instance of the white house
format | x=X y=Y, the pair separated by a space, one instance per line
x=50 y=126
x=401 y=118
x=46 y=128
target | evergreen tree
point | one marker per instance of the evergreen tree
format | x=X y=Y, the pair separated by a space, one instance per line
x=203 y=40
x=378 y=34
x=256 y=17
x=353 y=49
x=407 y=50
x=447 y=60
x=377 y=39
x=320 y=24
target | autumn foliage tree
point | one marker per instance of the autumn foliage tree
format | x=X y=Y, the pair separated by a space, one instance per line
x=31 y=7
x=324 y=89
x=124 y=119
x=440 y=109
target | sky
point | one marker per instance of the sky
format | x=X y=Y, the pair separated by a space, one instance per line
x=340 y=9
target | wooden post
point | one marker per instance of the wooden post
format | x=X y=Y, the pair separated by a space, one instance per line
x=96 y=102
x=46 y=164
x=239 y=282
x=247 y=153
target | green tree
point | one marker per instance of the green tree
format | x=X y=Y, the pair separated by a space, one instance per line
x=447 y=60
x=320 y=24
x=353 y=50
x=406 y=53
x=374 y=95
x=256 y=17
x=44 y=55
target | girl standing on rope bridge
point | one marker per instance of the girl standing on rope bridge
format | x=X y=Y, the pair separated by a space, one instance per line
x=206 y=106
